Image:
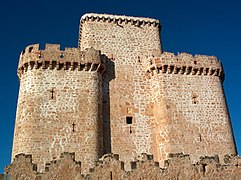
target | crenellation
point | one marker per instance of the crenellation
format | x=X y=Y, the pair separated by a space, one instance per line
x=52 y=47
x=126 y=109
x=109 y=166
x=117 y=20
x=184 y=63
x=45 y=82
x=186 y=59
x=52 y=57
x=114 y=18
x=22 y=168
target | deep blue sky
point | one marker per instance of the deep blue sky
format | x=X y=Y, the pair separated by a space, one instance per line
x=210 y=27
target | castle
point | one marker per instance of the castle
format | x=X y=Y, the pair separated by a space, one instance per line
x=119 y=93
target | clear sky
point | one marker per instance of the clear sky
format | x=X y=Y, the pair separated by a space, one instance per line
x=209 y=27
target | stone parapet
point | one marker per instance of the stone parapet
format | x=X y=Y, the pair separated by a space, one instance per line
x=117 y=19
x=184 y=63
x=52 y=57
x=177 y=166
x=113 y=18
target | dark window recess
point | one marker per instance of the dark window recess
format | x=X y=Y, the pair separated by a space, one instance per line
x=128 y=120
x=52 y=94
x=110 y=175
x=204 y=168
x=130 y=130
x=195 y=62
x=73 y=127
x=30 y=49
x=194 y=99
x=62 y=55
x=40 y=55
x=139 y=60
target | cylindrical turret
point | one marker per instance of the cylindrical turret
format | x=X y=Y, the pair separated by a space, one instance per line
x=190 y=111
x=59 y=105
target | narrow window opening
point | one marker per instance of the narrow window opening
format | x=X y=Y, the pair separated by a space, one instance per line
x=73 y=126
x=111 y=175
x=195 y=99
x=204 y=168
x=52 y=94
x=62 y=55
x=30 y=49
x=130 y=130
x=128 y=120
x=139 y=60
x=200 y=137
x=195 y=62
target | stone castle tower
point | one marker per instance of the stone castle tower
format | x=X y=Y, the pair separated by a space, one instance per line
x=118 y=92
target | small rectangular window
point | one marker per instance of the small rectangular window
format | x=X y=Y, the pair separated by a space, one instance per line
x=128 y=120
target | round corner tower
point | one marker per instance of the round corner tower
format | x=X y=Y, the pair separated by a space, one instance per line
x=190 y=110
x=59 y=104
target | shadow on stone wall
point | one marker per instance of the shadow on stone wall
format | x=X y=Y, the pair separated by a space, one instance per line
x=108 y=75
x=178 y=166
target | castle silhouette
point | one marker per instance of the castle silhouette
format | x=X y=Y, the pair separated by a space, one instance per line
x=118 y=92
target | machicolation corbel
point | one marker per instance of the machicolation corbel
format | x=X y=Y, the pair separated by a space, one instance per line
x=186 y=64
x=52 y=57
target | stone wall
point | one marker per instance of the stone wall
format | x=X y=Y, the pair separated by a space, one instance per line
x=156 y=102
x=178 y=166
x=54 y=58
x=189 y=110
x=131 y=99
x=127 y=41
x=59 y=105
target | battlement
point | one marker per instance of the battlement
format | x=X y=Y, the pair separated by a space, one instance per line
x=118 y=20
x=70 y=157
x=68 y=102
x=109 y=167
x=184 y=63
x=52 y=57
